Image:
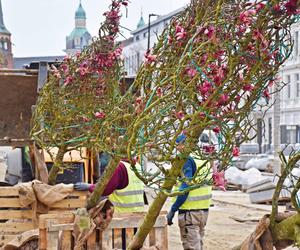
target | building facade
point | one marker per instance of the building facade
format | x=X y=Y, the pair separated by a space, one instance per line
x=6 y=57
x=289 y=101
x=80 y=36
x=136 y=46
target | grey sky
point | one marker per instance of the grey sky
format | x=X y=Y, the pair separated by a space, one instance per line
x=40 y=27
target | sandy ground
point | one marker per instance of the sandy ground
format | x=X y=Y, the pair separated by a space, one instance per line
x=222 y=231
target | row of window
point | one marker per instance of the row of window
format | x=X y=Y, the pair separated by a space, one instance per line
x=289 y=85
x=132 y=63
x=155 y=31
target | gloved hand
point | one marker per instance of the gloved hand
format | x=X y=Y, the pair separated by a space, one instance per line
x=81 y=186
x=170 y=217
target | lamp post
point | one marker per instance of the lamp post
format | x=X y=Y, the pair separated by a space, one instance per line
x=149 y=17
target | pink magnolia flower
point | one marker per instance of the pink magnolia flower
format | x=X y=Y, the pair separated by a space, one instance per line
x=65 y=68
x=266 y=94
x=248 y=87
x=235 y=151
x=85 y=119
x=217 y=130
x=191 y=72
x=291 y=7
x=202 y=115
x=245 y=17
x=203 y=89
x=219 y=179
x=170 y=39
x=100 y=115
x=68 y=80
x=179 y=115
x=209 y=149
x=159 y=92
x=237 y=98
x=223 y=99
x=260 y=6
x=149 y=58
x=277 y=8
x=125 y=3
x=180 y=33
x=138 y=101
x=210 y=31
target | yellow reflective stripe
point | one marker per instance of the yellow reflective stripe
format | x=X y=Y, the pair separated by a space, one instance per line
x=199 y=198
x=128 y=193
x=136 y=204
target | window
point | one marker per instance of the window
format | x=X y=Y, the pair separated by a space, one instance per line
x=297 y=85
x=296 y=44
x=5 y=46
x=288 y=86
x=145 y=34
x=137 y=38
x=77 y=41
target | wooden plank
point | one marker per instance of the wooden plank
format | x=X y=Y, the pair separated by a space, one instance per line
x=91 y=241
x=15 y=227
x=9 y=191
x=52 y=240
x=69 y=203
x=161 y=238
x=134 y=221
x=61 y=227
x=66 y=243
x=20 y=239
x=4 y=239
x=9 y=202
x=152 y=237
x=117 y=238
x=107 y=240
x=42 y=239
x=15 y=214
x=61 y=217
x=129 y=235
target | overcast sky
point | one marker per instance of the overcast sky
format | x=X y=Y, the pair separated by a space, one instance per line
x=40 y=27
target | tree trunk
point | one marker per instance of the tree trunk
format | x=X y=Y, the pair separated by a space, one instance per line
x=56 y=165
x=103 y=181
x=156 y=207
x=288 y=229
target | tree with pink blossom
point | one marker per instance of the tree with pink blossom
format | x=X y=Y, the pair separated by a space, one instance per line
x=210 y=68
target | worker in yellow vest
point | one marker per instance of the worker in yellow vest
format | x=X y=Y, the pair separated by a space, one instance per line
x=193 y=206
x=124 y=189
x=131 y=198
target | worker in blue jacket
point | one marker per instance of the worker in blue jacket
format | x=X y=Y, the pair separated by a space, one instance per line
x=192 y=206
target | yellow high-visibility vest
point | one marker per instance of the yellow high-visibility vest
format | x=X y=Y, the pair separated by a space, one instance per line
x=199 y=198
x=131 y=198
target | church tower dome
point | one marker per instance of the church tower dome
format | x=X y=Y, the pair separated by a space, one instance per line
x=6 y=57
x=79 y=37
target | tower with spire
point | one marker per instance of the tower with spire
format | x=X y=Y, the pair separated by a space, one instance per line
x=79 y=37
x=141 y=22
x=6 y=57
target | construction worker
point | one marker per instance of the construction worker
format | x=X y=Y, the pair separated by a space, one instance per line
x=193 y=206
x=124 y=189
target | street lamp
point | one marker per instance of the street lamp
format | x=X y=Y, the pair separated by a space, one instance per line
x=150 y=15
